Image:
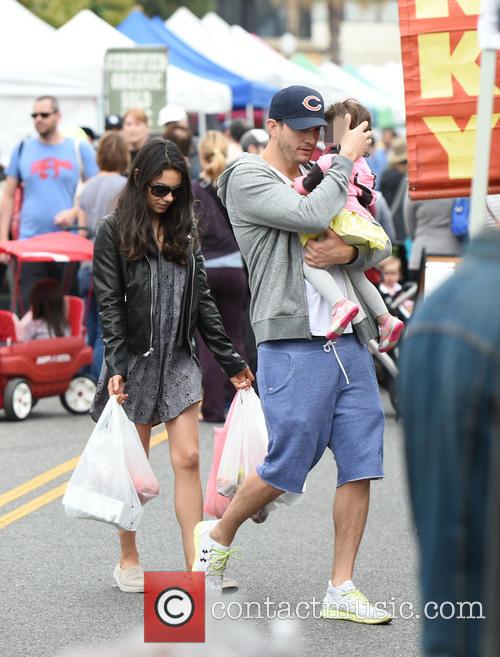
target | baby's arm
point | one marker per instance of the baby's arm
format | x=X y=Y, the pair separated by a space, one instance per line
x=305 y=184
x=362 y=185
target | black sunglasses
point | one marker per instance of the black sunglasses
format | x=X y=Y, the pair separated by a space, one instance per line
x=161 y=191
x=44 y=115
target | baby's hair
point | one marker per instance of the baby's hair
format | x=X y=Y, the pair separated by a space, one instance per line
x=358 y=112
x=391 y=260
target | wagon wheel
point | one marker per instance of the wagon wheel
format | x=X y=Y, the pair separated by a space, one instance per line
x=77 y=399
x=18 y=400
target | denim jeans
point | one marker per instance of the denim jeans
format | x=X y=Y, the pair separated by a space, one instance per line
x=450 y=396
x=93 y=322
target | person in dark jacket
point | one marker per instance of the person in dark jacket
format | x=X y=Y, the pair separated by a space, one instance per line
x=152 y=293
x=394 y=186
x=226 y=275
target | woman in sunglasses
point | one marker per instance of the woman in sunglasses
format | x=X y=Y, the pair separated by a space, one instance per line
x=152 y=293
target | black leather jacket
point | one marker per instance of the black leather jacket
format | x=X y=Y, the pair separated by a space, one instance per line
x=123 y=289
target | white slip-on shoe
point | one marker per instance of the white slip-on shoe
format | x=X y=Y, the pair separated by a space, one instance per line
x=129 y=580
x=229 y=584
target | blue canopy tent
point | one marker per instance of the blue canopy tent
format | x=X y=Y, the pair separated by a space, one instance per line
x=146 y=31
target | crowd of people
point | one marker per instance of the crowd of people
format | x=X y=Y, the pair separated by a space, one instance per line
x=56 y=182
x=218 y=251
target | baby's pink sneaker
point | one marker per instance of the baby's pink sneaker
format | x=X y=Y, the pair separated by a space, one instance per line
x=390 y=332
x=298 y=185
x=344 y=311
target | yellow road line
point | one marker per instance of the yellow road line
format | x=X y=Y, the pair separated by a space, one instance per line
x=158 y=438
x=38 y=481
x=32 y=505
x=51 y=495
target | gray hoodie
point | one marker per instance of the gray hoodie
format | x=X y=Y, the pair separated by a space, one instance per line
x=267 y=215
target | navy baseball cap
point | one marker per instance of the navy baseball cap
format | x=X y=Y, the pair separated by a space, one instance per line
x=113 y=122
x=299 y=107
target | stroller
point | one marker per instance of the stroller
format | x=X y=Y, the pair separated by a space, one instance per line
x=386 y=364
x=35 y=369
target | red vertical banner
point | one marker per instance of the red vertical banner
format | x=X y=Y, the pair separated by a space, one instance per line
x=441 y=63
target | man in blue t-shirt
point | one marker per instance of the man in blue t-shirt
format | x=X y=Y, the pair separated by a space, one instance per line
x=49 y=167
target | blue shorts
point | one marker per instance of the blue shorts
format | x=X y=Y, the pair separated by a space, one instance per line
x=312 y=401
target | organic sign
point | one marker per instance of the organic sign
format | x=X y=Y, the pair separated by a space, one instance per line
x=135 y=78
x=441 y=61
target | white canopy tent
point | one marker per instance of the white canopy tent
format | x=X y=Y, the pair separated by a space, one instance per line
x=18 y=27
x=70 y=67
x=354 y=88
x=244 y=54
x=18 y=23
x=334 y=82
x=194 y=93
x=388 y=78
x=215 y=41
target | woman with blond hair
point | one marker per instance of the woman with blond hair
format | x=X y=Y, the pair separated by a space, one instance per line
x=226 y=275
x=135 y=130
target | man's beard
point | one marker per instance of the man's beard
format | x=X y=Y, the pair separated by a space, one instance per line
x=287 y=150
x=48 y=132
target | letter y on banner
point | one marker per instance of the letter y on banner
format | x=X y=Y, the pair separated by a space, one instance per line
x=441 y=62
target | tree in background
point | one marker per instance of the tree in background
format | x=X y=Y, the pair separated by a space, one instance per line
x=165 y=8
x=58 y=12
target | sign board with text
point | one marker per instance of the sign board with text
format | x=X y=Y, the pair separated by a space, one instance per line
x=441 y=62
x=135 y=78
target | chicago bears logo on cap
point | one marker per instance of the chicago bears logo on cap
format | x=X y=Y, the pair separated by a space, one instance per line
x=313 y=108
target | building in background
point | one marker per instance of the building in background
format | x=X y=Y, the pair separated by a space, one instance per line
x=359 y=32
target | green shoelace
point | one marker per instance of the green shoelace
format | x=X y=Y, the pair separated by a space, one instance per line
x=219 y=558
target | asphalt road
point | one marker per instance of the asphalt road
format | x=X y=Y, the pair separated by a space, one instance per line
x=55 y=573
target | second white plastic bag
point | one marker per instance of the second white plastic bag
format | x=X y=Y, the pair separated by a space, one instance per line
x=246 y=447
x=246 y=443
x=113 y=475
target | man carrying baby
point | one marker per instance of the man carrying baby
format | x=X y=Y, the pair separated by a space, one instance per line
x=316 y=393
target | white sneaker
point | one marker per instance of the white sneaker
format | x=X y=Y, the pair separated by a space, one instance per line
x=210 y=557
x=350 y=604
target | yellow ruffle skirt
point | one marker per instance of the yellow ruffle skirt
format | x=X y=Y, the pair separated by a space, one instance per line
x=354 y=230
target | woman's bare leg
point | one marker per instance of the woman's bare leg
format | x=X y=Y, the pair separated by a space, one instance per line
x=128 y=554
x=183 y=441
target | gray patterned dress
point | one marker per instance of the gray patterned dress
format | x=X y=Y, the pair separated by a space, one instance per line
x=162 y=385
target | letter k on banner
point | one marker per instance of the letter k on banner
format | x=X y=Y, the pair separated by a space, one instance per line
x=441 y=62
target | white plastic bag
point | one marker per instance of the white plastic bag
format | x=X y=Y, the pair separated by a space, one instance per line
x=113 y=474
x=246 y=448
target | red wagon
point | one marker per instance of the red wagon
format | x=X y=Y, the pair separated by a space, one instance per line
x=43 y=368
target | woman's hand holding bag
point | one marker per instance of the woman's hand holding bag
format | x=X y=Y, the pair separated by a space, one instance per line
x=116 y=386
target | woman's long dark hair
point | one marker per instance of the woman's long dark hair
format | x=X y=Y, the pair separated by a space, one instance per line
x=136 y=234
x=47 y=302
